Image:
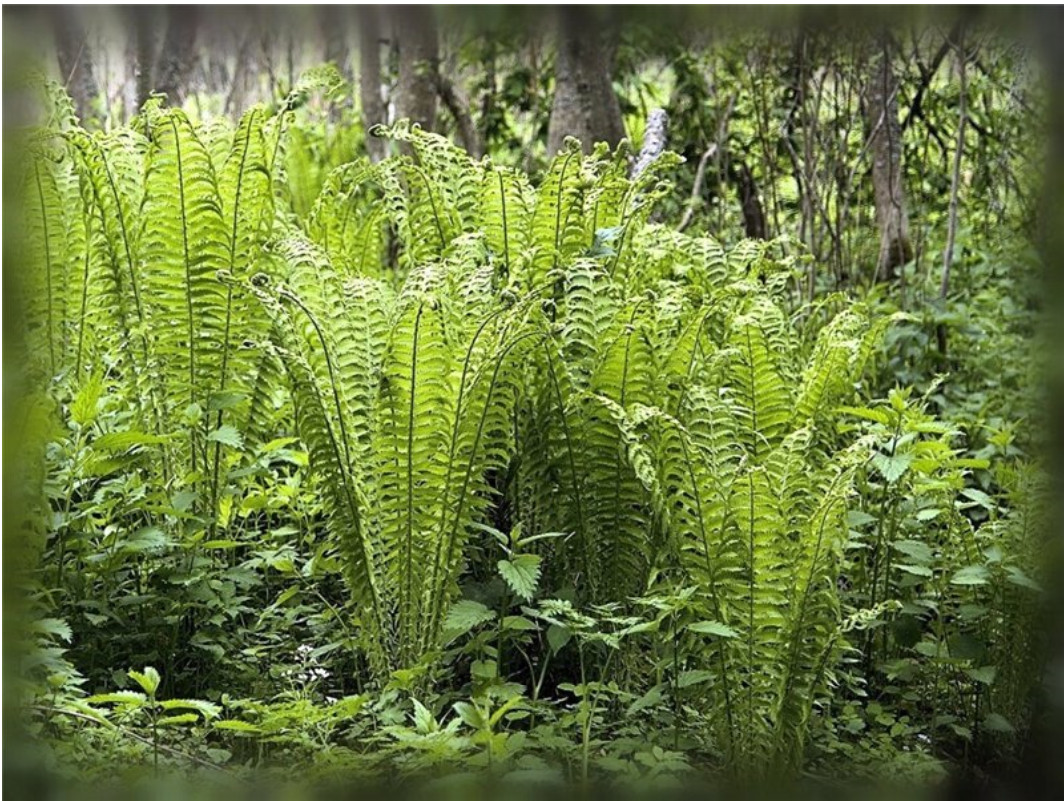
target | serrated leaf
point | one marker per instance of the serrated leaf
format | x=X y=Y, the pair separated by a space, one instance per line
x=122 y=697
x=892 y=467
x=226 y=435
x=465 y=615
x=714 y=628
x=149 y=680
x=205 y=708
x=522 y=574
x=54 y=626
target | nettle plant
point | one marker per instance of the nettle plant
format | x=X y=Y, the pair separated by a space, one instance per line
x=467 y=356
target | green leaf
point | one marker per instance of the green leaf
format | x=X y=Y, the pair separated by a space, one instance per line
x=918 y=551
x=465 y=615
x=226 y=435
x=205 y=708
x=114 y=441
x=238 y=726
x=983 y=675
x=690 y=678
x=1016 y=576
x=892 y=467
x=916 y=570
x=971 y=575
x=83 y=409
x=650 y=698
x=518 y=623
x=558 y=636
x=997 y=723
x=470 y=715
x=148 y=680
x=714 y=628
x=54 y=626
x=121 y=697
x=522 y=574
x=175 y=720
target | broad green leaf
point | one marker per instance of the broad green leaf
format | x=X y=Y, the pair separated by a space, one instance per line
x=149 y=680
x=227 y=435
x=465 y=615
x=972 y=575
x=522 y=574
x=713 y=627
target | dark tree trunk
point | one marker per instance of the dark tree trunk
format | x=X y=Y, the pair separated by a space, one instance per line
x=144 y=41
x=178 y=55
x=369 y=78
x=885 y=145
x=76 y=71
x=753 y=213
x=585 y=105
x=419 y=58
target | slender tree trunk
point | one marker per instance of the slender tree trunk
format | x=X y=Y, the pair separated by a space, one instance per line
x=885 y=145
x=76 y=71
x=585 y=105
x=334 y=26
x=954 y=189
x=178 y=56
x=419 y=58
x=369 y=78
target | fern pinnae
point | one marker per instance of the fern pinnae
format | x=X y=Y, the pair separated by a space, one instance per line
x=452 y=532
x=451 y=458
x=334 y=382
x=575 y=476
x=48 y=268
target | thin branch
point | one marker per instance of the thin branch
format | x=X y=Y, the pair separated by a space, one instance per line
x=954 y=190
x=696 y=189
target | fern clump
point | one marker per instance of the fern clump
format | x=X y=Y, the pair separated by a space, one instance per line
x=470 y=358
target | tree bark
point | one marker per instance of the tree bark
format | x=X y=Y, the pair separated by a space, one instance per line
x=334 y=22
x=419 y=58
x=753 y=213
x=585 y=105
x=76 y=71
x=178 y=55
x=954 y=189
x=144 y=42
x=369 y=79
x=885 y=145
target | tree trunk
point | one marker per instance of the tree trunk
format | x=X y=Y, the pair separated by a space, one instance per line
x=334 y=26
x=178 y=55
x=144 y=40
x=418 y=61
x=369 y=79
x=585 y=105
x=753 y=213
x=884 y=132
x=76 y=71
